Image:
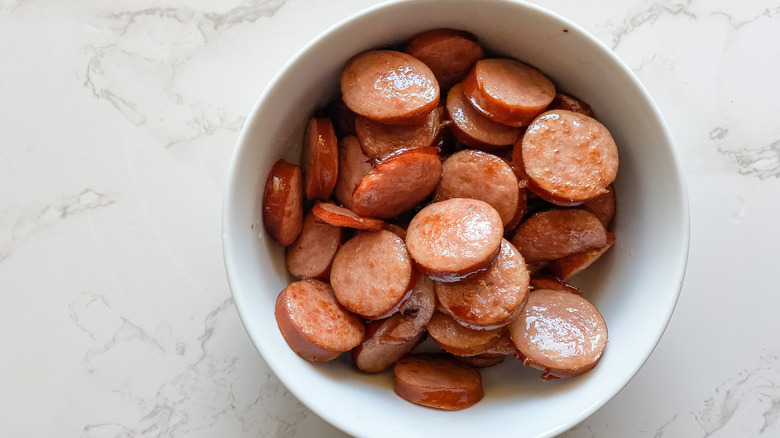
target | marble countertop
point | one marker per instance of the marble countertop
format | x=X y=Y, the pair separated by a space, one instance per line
x=117 y=123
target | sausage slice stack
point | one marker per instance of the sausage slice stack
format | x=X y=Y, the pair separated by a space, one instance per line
x=391 y=242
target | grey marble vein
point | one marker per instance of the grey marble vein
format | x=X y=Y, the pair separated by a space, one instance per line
x=650 y=15
x=760 y=161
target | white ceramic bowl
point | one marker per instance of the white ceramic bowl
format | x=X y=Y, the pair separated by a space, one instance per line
x=635 y=286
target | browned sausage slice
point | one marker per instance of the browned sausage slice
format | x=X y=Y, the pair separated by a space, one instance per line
x=372 y=273
x=437 y=381
x=320 y=158
x=311 y=255
x=342 y=117
x=483 y=176
x=379 y=140
x=343 y=217
x=539 y=282
x=603 y=206
x=395 y=229
x=484 y=360
x=570 y=103
x=389 y=87
x=397 y=184
x=416 y=310
x=508 y=91
x=566 y=157
x=459 y=340
x=569 y=266
x=375 y=354
x=353 y=166
x=283 y=202
x=490 y=299
x=449 y=53
x=314 y=324
x=473 y=128
x=559 y=333
x=454 y=239
x=552 y=234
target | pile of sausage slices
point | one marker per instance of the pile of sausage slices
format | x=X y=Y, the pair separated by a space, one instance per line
x=459 y=218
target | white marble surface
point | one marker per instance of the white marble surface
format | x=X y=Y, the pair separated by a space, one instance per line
x=117 y=123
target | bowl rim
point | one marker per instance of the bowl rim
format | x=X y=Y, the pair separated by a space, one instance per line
x=241 y=143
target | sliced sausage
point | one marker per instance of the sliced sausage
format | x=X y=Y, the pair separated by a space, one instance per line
x=454 y=338
x=416 y=311
x=484 y=360
x=379 y=140
x=490 y=299
x=570 y=103
x=395 y=229
x=320 y=158
x=372 y=273
x=504 y=346
x=569 y=266
x=508 y=91
x=566 y=157
x=389 y=87
x=603 y=206
x=314 y=324
x=559 y=333
x=454 y=239
x=283 y=202
x=343 y=217
x=353 y=166
x=552 y=282
x=343 y=118
x=449 y=53
x=552 y=234
x=398 y=183
x=311 y=255
x=483 y=176
x=437 y=381
x=473 y=128
x=375 y=354
x=534 y=267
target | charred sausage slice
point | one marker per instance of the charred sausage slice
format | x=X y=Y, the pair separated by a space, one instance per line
x=314 y=324
x=483 y=176
x=508 y=91
x=437 y=381
x=389 y=87
x=490 y=299
x=320 y=158
x=552 y=234
x=372 y=274
x=449 y=53
x=566 y=157
x=559 y=333
x=283 y=202
x=311 y=255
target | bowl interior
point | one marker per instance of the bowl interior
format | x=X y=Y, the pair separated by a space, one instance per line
x=635 y=285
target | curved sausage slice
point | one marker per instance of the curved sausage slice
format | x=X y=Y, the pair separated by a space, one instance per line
x=484 y=360
x=416 y=311
x=311 y=255
x=559 y=333
x=283 y=202
x=389 y=87
x=449 y=53
x=397 y=184
x=473 y=128
x=372 y=273
x=320 y=158
x=454 y=239
x=314 y=324
x=490 y=299
x=569 y=266
x=437 y=381
x=566 y=157
x=337 y=216
x=539 y=282
x=375 y=354
x=553 y=234
x=483 y=176
x=459 y=340
x=353 y=166
x=508 y=91
x=603 y=206
x=570 y=103
x=379 y=140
